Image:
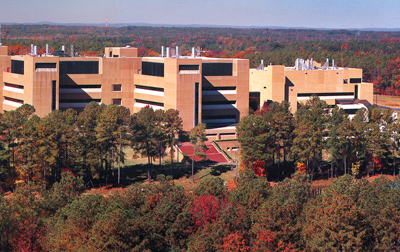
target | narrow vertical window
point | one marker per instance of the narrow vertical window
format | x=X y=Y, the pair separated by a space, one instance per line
x=53 y=94
x=196 y=103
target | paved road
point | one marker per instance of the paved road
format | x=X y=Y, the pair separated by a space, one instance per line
x=385 y=107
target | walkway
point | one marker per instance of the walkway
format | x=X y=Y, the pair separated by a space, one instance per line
x=212 y=153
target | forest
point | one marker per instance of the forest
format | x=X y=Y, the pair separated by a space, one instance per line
x=376 y=52
x=50 y=161
x=251 y=215
x=322 y=141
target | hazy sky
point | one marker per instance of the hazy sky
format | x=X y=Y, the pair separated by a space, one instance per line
x=290 y=13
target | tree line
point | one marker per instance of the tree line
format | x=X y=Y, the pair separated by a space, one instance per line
x=376 y=52
x=91 y=144
x=321 y=140
x=248 y=215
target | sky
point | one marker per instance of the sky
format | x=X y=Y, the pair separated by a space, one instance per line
x=289 y=13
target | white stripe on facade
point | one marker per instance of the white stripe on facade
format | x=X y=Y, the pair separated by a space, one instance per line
x=13 y=89
x=79 y=90
x=218 y=92
x=13 y=104
x=305 y=98
x=149 y=92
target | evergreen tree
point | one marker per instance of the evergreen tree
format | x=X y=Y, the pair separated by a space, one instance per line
x=197 y=139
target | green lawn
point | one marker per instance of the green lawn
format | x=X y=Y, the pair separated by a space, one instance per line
x=385 y=100
x=135 y=171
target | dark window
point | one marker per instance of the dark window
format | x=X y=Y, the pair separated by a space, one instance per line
x=217 y=69
x=196 y=103
x=117 y=101
x=218 y=88
x=188 y=67
x=79 y=100
x=345 y=81
x=80 y=86
x=218 y=102
x=115 y=56
x=110 y=54
x=356 y=91
x=150 y=102
x=13 y=85
x=45 y=65
x=153 y=68
x=13 y=100
x=350 y=111
x=150 y=88
x=355 y=80
x=116 y=87
x=53 y=94
x=324 y=94
x=219 y=117
x=79 y=67
x=17 y=66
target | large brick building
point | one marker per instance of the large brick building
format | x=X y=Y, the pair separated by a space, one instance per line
x=204 y=90
x=297 y=84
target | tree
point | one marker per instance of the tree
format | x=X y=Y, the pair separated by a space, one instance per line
x=332 y=143
x=8 y=224
x=63 y=193
x=143 y=127
x=212 y=186
x=197 y=139
x=281 y=123
x=87 y=146
x=111 y=134
x=311 y=124
x=335 y=220
x=281 y=212
x=72 y=227
x=250 y=191
x=378 y=134
x=256 y=141
x=11 y=124
x=173 y=125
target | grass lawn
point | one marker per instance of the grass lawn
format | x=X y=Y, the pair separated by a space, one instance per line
x=385 y=100
x=129 y=160
x=135 y=171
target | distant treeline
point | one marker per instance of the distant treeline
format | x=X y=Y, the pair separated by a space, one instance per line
x=375 y=52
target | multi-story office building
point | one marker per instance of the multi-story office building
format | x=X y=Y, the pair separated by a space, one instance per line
x=335 y=85
x=204 y=90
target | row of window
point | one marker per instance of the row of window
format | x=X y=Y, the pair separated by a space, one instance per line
x=148 y=68
x=324 y=94
x=208 y=69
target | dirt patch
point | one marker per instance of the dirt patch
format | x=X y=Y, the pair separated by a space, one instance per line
x=104 y=190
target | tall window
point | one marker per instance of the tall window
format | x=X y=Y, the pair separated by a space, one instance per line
x=53 y=95
x=17 y=66
x=196 y=103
